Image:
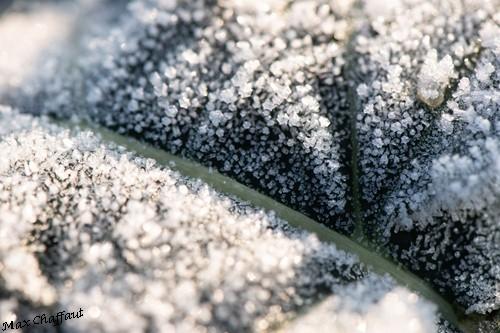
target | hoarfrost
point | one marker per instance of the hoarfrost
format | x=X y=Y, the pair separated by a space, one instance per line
x=141 y=248
x=270 y=93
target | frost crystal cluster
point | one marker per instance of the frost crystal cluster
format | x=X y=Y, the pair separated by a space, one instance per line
x=141 y=248
x=254 y=90
x=379 y=119
x=428 y=112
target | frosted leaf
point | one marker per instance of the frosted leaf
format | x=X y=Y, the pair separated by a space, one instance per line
x=270 y=93
x=172 y=255
x=216 y=66
x=451 y=202
x=442 y=105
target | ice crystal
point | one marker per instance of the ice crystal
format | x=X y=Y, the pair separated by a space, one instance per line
x=434 y=78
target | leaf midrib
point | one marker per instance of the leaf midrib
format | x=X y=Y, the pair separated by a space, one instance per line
x=369 y=257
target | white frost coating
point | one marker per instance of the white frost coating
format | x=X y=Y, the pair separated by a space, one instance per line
x=489 y=34
x=371 y=306
x=390 y=71
x=254 y=89
x=428 y=178
x=449 y=194
x=19 y=203
x=140 y=248
x=24 y=37
x=7 y=309
x=258 y=90
x=378 y=9
x=433 y=78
